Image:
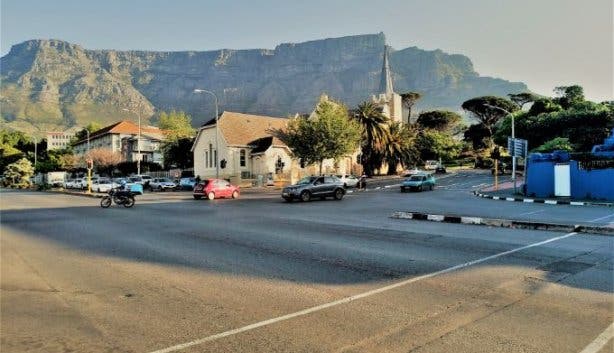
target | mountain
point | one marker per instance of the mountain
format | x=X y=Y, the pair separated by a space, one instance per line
x=52 y=84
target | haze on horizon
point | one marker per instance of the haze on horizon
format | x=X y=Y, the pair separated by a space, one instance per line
x=543 y=43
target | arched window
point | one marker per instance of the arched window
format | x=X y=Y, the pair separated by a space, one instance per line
x=242 y=158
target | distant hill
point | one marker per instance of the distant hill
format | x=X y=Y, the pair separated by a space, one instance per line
x=52 y=84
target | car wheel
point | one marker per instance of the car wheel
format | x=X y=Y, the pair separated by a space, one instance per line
x=211 y=195
x=305 y=196
x=235 y=194
x=338 y=194
x=403 y=190
x=421 y=188
x=288 y=199
x=197 y=197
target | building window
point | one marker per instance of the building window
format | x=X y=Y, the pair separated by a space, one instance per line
x=242 y=158
x=210 y=156
x=215 y=158
x=206 y=159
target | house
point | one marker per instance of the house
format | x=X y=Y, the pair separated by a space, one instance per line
x=246 y=147
x=248 y=150
x=123 y=137
x=57 y=140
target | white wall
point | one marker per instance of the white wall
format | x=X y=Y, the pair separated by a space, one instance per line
x=207 y=136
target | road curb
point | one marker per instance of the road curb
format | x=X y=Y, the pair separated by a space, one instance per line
x=503 y=223
x=544 y=201
x=93 y=195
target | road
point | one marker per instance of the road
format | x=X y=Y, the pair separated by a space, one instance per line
x=326 y=276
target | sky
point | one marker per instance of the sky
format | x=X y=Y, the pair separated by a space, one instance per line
x=543 y=43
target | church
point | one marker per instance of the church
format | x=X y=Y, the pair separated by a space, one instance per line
x=388 y=99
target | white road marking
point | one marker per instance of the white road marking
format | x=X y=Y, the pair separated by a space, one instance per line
x=550 y=202
x=354 y=297
x=600 y=218
x=529 y=213
x=600 y=341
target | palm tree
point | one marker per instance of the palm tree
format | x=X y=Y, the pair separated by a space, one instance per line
x=401 y=147
x=375 y=134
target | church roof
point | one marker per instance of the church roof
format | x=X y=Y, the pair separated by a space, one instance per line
x=385 y=85
x=241 y=129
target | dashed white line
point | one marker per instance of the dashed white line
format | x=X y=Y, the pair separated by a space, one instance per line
x=530 y=213
x=354 y=297
x=600 y=341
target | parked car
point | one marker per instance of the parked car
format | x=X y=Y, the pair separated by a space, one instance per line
x=314 y=186
x=141 y=179
x=187 y=183
x=349 y=181
x=162 y=184
x=134 y=188
x=418 y=182
x=431 y=165
x=70 y=184
x=215 y=189
x=103 y=185
x=82 y=183
x=409 y=172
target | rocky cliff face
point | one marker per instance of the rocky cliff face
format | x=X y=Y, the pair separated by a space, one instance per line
x=55 y=83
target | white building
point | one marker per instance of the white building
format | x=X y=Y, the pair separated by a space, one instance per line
x=122 y=137
x=57 y=140
x=391 y=102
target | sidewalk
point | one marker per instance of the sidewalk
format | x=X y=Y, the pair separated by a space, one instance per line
x=505 y=192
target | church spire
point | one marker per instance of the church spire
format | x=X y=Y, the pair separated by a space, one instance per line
x=385 y=85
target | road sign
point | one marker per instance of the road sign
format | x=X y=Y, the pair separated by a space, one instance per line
x=517 y=147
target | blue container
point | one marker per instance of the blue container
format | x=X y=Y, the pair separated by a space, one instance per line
x=136 y=189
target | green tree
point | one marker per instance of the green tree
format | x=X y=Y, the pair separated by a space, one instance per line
x=91 y=127
x=477 y=135
x=544 y=105
x=488 y=110
x=176 y=124
x=569 y=96
x=440 y=120
x=434 y=144
x=401 y=147
x=523 y=98
x=18 y=174
x=178 y=153
x=409 y=99
x=557 y=143
x=375 y=134
x=328 y=133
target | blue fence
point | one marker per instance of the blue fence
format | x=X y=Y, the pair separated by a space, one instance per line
x=594 y=181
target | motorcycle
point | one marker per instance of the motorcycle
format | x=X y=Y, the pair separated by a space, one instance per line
x=122 y=198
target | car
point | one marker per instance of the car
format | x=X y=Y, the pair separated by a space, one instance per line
x=70 y=184
x=103 y=185
x=440 y=169
x=82 y=183
x=418 y=182
x=187 y=183
x=162 y=184
x=314 y=186
x=215 y=189
x=431 y=165
x=349 y=181
x=409 y=172
x=141 y=179
x=136 y=189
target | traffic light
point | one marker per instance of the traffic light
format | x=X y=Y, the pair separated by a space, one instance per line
x=90 y=164
x=223 y=163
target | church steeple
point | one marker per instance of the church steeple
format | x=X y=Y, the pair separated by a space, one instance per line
x=385 y=85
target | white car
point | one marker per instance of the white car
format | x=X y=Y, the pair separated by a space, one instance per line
x=162 y=184
x=431 y=165
x=70 y=184
x=82 y=183
x=349 y=181
x=103 y=185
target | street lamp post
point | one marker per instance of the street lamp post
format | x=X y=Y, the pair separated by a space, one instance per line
x=138 y=141
x=513 y=137
x=217 y=152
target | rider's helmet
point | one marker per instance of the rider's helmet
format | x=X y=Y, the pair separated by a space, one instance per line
x=122 y=183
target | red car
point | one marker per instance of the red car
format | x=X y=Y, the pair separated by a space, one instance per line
x=215 y=189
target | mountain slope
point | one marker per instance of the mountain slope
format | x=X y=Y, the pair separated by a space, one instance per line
x=54 y=84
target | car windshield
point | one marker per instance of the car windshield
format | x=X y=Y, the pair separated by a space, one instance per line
x=417 y=178
x=164 y=180
x=305 y=180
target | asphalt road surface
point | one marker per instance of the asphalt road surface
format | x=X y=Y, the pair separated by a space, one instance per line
x=259 y=275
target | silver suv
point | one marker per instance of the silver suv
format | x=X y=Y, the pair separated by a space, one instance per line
x=314 y=187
